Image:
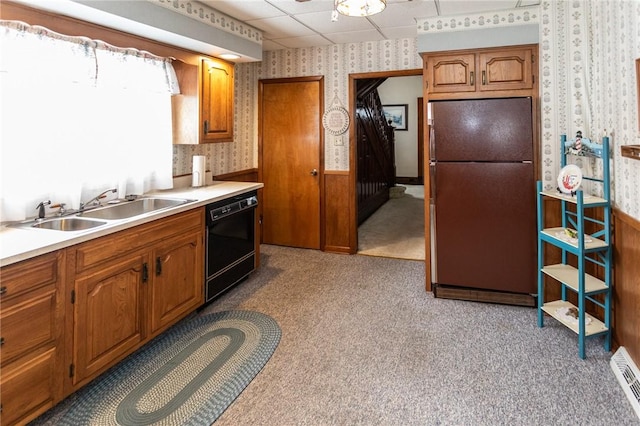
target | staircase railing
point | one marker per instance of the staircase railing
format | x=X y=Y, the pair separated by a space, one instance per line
x=376 y=154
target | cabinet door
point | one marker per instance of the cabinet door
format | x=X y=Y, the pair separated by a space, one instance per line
x=178 y=282
x=108 y=314
x=506 y=70
x=217 y=101
x=450 y=73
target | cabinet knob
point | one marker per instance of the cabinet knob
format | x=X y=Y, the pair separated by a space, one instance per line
x=3 y=290
x=1 y=341
x=314 y=172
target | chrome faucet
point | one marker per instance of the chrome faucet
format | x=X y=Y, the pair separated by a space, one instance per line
x=96 y=200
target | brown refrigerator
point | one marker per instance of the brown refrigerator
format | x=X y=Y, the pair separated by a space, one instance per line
x=483 y=194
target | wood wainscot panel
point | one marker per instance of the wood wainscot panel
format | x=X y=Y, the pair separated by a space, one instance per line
x=338 y=213
x=626 y=290
x=249 y=175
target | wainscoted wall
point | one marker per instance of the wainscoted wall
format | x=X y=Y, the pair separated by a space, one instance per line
x=588 y=83
x=626 y=292
x=587 y=52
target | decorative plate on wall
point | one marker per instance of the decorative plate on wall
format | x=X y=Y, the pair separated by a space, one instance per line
x=336 y=120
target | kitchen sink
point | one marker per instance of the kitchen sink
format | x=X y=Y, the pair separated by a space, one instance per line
x=66 y=224
x=128 y=209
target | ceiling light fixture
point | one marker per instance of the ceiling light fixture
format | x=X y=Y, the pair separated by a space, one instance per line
x=360 y=8
x=229 y=56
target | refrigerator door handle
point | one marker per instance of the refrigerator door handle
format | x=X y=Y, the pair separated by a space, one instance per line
x=432 y=183
x=432 y=143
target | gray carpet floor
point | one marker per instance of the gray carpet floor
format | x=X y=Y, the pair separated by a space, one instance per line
x=396 y=229
x=364 y=344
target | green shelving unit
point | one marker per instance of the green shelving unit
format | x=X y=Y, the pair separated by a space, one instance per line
x=587 y=248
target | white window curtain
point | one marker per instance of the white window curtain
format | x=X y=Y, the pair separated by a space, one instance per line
x=79 y=116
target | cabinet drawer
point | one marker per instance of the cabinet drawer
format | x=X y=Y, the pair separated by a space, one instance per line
x=29 y=274
x=28 y=388
x=27 y=325
x=103 y=249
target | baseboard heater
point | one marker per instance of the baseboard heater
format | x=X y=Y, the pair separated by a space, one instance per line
x=628 y=376
x=444 y=291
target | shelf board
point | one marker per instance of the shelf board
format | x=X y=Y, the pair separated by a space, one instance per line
x=588 y=200
x=595 y=244
x=568 y=275
x=595 y=327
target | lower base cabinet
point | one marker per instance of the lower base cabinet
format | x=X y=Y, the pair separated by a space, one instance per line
x=144 y=280
x=32 y=345
x=68 y=316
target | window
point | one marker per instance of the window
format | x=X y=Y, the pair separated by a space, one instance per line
x=79 y=116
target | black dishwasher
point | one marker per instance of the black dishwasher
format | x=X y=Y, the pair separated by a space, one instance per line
x=230 y=242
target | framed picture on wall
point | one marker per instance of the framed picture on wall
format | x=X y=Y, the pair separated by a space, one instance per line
x=396 y=115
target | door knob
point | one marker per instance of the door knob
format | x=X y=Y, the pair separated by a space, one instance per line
x=314 y=172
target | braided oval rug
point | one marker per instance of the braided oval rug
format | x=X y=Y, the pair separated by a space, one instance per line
x=187 y=376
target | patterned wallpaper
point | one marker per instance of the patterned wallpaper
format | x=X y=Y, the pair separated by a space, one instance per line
x=587 y=82
x=211 y=17
x=334 y=62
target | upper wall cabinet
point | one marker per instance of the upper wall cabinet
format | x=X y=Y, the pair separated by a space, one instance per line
x=216 y=114
x=484 y=70
x=203 y=111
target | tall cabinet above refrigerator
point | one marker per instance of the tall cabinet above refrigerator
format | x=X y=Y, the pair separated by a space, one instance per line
x=483 y=199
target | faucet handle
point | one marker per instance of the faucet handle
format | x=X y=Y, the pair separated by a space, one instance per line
x=62 y=210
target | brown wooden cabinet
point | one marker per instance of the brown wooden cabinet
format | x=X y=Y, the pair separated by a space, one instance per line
x=203 y=111
x=178 y=279
x=108 y=314
x=31 y=342
x=130 y=286
x=479 y=71
x=217 y=100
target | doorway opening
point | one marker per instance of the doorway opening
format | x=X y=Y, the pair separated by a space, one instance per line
x=396 y=228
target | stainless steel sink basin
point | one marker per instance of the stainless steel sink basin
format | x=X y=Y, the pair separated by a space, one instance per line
x=127 y=209
x=67 y=224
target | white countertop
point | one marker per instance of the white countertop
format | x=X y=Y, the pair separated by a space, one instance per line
x=18 y=244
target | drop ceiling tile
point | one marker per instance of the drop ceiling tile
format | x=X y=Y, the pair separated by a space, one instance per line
x=293 y=7
x=321 y=22
x=280 y=27
x=355 y=36
x=393 y=33
x=307 y=41
x=272 y=45
x=404 y=14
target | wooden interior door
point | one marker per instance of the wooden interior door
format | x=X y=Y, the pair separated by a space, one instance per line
x=420 y=141
x=290 y=144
